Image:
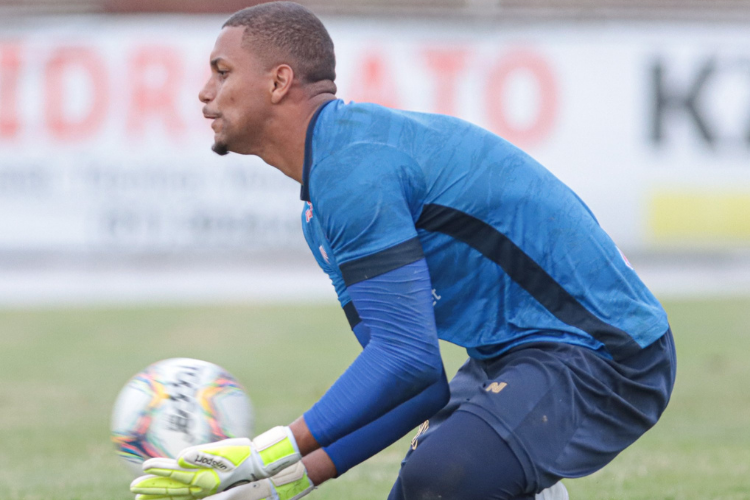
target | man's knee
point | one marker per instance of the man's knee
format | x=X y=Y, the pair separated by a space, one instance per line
x=426 y=477
x=464 y=459
x=451 y=479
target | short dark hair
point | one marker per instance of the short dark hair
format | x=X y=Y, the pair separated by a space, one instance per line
x=286 y=32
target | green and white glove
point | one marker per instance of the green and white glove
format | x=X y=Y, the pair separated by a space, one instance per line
x=290 y=484
x=203 y=470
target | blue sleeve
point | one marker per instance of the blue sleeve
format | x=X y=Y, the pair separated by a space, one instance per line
x=316 y=243
x=383 y=432
x=361 y=332
x=401 y=359
x=367 y=198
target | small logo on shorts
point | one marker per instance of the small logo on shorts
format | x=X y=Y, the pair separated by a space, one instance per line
x=496 y=387
x=422 y=429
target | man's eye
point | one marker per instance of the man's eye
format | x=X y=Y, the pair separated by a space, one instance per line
x=222 y=72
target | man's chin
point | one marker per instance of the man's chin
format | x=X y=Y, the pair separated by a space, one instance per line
x=220 y=148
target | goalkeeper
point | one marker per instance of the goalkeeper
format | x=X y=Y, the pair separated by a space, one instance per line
x=430 y=228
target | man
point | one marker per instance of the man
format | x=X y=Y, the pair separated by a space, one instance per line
x=430 y=227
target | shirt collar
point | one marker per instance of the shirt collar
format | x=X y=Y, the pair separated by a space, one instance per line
x=305 y=188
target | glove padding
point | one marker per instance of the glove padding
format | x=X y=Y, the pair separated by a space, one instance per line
x=200 y=471
x=290 y=484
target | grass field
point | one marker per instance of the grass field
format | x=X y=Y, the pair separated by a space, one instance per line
x=60 y=372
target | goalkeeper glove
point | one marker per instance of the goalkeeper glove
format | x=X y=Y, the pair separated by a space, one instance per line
x=203 y=470
x=290 y=484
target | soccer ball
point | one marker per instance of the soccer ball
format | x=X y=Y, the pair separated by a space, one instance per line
x=177 y=403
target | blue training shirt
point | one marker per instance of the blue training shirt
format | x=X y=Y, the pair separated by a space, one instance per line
x=514 y=256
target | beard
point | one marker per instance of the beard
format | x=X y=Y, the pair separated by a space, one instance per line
x=220 y=148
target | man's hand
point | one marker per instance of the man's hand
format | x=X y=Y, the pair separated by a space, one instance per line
x=204 y=470
x=290 y=484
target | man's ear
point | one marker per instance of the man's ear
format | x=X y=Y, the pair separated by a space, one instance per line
x=282 y=77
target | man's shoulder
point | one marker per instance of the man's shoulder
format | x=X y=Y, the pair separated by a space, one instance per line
x=360 y=114
x=359 y=141
x=343 y=124
x=360 y=169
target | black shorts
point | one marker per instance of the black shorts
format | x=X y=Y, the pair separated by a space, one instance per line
x=564 y=410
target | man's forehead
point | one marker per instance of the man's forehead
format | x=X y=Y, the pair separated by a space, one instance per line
x=229 y=43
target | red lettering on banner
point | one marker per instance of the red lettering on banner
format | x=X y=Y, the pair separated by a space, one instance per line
x=534 y=65
x=64 y=62
x=373 y=83
x=156 y=74
x=447 y=65
x=10 y=69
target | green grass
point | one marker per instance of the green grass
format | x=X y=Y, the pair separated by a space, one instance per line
x=60 y=372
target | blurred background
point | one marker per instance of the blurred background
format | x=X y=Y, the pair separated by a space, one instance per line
x=109 y=191
x=119 y=228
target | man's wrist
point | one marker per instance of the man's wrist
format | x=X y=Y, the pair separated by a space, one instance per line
x=306 y=442
x=320 y=468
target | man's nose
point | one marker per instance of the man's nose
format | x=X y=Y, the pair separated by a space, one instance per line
x=206 y=94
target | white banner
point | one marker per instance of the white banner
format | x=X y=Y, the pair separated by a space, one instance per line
x=103 y=147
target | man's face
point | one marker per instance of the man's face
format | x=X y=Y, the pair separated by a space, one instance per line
x=237 y=96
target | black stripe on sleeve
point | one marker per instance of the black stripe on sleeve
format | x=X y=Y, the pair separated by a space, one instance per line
x=386 y=260
x=352 y=316
x=527 y=273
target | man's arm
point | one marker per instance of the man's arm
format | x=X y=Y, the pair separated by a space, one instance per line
x=367 y=198
x=355 y=448
x=376 y=436
x=401 y=359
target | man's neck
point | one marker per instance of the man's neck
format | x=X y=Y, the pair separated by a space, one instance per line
x=285 y=146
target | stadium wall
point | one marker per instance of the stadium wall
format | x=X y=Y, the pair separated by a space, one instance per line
x=104 y=151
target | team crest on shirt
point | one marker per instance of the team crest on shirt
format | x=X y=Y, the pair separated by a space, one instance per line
x=323 y=254
x=308 y=212
x=627 y=262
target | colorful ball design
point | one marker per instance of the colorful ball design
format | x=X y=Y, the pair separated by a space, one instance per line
x=177 y=403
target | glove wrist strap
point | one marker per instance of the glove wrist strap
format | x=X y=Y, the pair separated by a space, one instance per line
x=292 y=483
x=277 y=449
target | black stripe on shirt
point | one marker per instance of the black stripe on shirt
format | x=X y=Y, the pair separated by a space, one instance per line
x=382 y=262
x=528 y=274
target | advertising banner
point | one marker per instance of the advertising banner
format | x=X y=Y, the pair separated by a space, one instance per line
x=103 y=147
